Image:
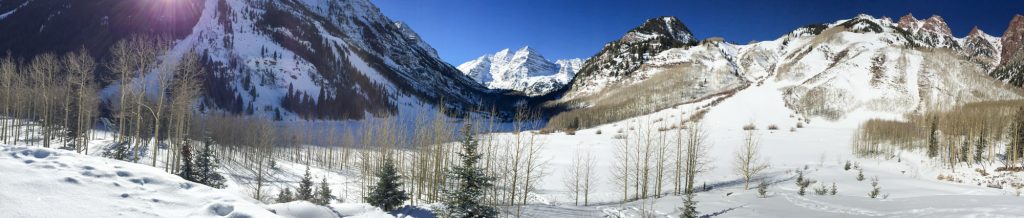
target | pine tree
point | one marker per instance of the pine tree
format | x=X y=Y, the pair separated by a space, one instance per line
x=834 y=189
x=206 y=167
x=387 y=194
x=285 y=196
x=933 y=138
x=305 y=190
x=762 y=189
x=689 y=207
x=860 y=175
x=323 y=194
x=465 y=197
x=799 y=177
x=186 y=164
x=875 y=189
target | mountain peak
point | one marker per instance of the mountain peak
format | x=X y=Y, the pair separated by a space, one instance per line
x=1013 y=39
x=524 y=70
x=908 y=22
x=976 y=32
x=526 y=49
x=936 y=24
x=665 y=26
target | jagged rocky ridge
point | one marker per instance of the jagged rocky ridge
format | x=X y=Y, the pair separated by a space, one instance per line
x=523 y=70
x=822 y=70
x=301 y=59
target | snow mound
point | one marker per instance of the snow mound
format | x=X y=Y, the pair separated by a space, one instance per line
x=35 y=181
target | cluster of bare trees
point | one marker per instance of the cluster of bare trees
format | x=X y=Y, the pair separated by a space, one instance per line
x=49 y=100
x=53 y=100
x=422 y=149
x=650 y=163
x=581 y=176
x=970 y=134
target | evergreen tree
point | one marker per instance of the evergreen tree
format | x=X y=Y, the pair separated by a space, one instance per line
x=206 y=167
x=305 y=190
x=834 y=190
x=465 y=197
x=186 y=164
x=323 y=194
x=689 y=207
x=387 y=194
x=285 y=196
x=762 y=189
x=933 y=138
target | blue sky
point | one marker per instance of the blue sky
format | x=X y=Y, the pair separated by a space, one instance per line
x=461 y=30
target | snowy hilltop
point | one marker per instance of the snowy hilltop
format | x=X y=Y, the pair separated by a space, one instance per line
x=524 y=70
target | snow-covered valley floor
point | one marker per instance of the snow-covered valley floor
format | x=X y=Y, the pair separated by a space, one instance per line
x=38 y=182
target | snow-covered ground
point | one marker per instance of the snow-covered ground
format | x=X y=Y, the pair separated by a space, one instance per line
x=42 y=182
x=909 y=184
x=33 y=179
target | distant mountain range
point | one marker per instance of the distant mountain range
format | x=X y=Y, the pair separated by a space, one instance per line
x=340 y=60
x=524 y=70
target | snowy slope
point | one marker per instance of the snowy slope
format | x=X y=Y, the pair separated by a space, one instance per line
x=524 y=70
x=38 y=180
x=35 y=179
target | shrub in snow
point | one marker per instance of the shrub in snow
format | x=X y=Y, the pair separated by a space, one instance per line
x=875 y=189
x=762 y=189
x=799 y=177
x=773 y=127
x=821 y=189
x=860 y=174
x=847 y=166
x=285 y=196
x=749 y=126
x=803 y=186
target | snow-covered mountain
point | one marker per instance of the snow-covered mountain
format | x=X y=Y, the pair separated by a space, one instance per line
x=620 y=58
x=304 y=59
x=1011 y=59
x=823 y=70
x=524 y=70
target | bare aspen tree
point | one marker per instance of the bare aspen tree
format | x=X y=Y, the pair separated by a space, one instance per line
x=696 y=154
x=621 y=171
x=186 y=88
x=748 y=162
x=43 y=70
x=164 y=77
x=122 y=64
x=586 y=173
x=581 y=176
x=81 y=67
x=8 y=75
x=574 y=179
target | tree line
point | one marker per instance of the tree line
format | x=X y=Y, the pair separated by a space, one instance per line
x=975 y=134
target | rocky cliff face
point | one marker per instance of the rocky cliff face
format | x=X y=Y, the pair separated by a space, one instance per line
x=1013 y=40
